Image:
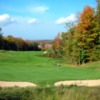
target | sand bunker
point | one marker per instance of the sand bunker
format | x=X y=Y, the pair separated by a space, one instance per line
x=79 y=83
x=73 y=82
x=18 y=84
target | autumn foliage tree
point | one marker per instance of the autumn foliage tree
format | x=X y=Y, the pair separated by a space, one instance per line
x=57 y=46
x=86 y=33
x=80 y=44
x=17 y=44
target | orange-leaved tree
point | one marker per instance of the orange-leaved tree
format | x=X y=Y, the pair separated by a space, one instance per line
x=86 y=34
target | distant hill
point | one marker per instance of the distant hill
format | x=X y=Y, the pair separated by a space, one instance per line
x=42 y=41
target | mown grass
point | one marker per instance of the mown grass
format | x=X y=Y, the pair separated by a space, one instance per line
x=33 y=67
x=50 y=93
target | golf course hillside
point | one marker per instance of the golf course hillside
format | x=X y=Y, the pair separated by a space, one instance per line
x=50 y=50
x=32 y=66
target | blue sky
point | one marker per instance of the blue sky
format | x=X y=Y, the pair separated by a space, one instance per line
x=39 y=19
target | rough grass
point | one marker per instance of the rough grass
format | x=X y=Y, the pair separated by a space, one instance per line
x=50 y=93
x=33 y=67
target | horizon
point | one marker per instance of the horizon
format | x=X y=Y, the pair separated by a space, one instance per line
x=39 y=19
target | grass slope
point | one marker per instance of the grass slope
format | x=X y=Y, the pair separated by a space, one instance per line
x=33 y=67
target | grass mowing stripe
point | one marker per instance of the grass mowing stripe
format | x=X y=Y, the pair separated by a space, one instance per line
x=33 y=67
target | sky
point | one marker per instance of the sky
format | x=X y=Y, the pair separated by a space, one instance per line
x=39 y=19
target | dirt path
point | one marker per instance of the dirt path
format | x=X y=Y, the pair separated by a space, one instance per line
x=18 y=84
x=79 y=83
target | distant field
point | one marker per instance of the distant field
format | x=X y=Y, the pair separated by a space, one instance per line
x=33 y=67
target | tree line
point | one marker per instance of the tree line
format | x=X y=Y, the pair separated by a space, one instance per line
x=17 y=44
x=81 y=43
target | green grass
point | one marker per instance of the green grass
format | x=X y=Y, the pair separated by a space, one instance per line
x=33 y=67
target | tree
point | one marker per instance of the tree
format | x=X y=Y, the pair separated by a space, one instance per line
x=98 y=13
x=1 y=39
x=81 y=42
x=97 y=21
x=57 y=46
x=86 y=34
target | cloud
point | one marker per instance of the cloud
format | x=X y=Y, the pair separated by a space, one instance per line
x=66 y=19
x=32 y=21
x=39 y=9
x=5 y=19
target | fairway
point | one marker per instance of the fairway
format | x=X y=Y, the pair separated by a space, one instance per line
x=33 y=67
